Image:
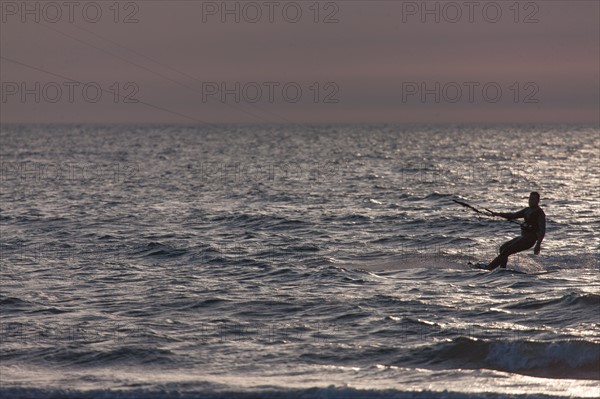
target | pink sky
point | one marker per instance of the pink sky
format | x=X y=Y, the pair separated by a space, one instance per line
x=547 y=71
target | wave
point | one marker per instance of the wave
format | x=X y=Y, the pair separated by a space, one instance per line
x=261 y=222
x=571 y=300
x=330 y=392
x=10 y=301
x=158 y=249
x=558 y=359
x=127 y=355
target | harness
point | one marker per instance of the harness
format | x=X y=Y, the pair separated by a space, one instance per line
x=526 y=228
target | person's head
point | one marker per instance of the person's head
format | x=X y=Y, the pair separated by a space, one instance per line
x=534 y=199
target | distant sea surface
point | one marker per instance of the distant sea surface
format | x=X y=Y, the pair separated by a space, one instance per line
x=285 y=261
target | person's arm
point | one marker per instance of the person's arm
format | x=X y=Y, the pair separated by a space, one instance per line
x=541 y=232
x=510 y=215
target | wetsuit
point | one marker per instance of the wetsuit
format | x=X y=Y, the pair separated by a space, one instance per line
x=532 y=231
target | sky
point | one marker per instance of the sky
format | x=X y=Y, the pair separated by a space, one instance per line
x=300 y=62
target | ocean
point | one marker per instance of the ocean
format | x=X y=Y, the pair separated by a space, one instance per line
x=296 y=261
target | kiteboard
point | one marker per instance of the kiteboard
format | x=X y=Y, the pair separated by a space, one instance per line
x=483 y=266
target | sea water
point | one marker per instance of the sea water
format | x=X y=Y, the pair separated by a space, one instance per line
x=296 y=261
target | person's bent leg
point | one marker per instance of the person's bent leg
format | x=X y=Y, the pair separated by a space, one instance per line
x=504 y=247
x=502 y=260
x=516 y=245
x=507 y=244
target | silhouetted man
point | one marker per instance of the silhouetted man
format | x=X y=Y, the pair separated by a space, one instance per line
x=532 y=231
